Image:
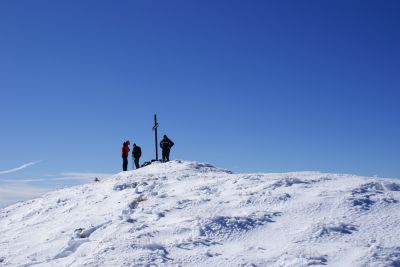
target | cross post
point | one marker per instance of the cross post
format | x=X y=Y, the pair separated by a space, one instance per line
x=155 y=134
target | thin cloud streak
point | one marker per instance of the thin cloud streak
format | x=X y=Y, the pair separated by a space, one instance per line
x=26 y=165
x=13 y=193
x=68 y=176
x=22 y=180
x=82 y=175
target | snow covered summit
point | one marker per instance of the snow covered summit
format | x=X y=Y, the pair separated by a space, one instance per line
x=189 y=214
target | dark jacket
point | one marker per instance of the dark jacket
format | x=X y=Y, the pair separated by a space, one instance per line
x=136 y=152
x=166 y=143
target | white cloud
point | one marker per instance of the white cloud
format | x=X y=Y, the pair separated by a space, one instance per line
x=81 y=176
x=23 y=180
x=26 y=165
x=11 y=193
x=64 y=176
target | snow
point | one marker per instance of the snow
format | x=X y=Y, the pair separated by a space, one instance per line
x=185 y=213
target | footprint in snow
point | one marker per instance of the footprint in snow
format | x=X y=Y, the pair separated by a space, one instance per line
x=135 y=203
x=283 y=197
x=321 y=260
x=211 y=254
x=183 y=177
x=191 y=244
x=181 y=204
x=123 y=186
x=163 y=195
x=126 y=213
x=202 y=190
x=384 y=256
x=342 y=228
x=160 y=215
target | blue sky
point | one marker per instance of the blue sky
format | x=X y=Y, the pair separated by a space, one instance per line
x=250 y=86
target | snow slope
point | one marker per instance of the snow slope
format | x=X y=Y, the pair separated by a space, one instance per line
x=189 y=214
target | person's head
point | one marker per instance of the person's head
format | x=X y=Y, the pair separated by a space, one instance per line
x=165 y=136
x=127 y=142
x=134 y=145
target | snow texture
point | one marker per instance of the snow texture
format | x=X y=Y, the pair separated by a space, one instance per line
x=190 y=214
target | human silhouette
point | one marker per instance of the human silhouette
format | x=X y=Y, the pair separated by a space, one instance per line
x=136 y=154
x=125 y=154
x=166 y=144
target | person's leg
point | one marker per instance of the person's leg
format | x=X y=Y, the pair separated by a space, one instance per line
x=125 y=163
x=137 y=163
x=163 y=155
x=167 y=156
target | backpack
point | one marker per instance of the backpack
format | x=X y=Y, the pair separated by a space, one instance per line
x=137 y=152
x=165 y=144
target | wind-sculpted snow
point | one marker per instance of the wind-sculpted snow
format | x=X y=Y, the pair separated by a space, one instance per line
x=289 y=182
x=225 y=227
x=384 y=257
x=194 y=214
x=369 y=194
x=342 y=228
x=123 y=186
x=392 y=186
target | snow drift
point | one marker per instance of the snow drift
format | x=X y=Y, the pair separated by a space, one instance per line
x=189 y=214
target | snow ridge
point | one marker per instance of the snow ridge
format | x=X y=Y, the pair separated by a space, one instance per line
x=185 y=213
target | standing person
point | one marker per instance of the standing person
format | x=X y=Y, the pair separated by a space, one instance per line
x=136 y=154
x=125 y=154
x=166 y=145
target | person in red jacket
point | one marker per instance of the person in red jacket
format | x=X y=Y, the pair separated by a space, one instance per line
x=125 y=154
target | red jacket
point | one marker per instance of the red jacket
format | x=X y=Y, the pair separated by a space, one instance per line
x=125 y=150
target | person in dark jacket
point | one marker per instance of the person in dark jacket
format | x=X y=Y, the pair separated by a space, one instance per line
x=125 y=154
x=136 y=154
x=166 y=144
